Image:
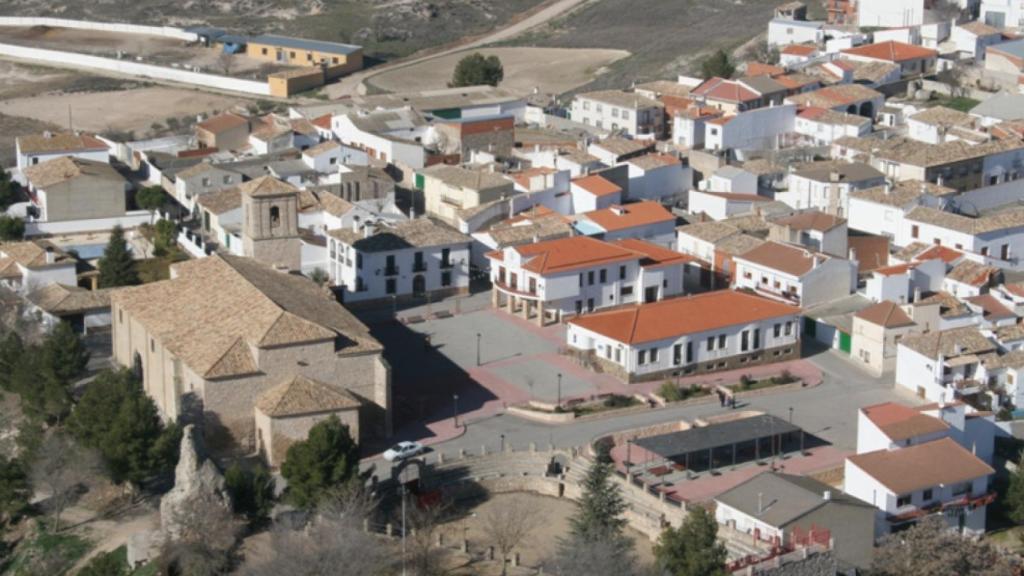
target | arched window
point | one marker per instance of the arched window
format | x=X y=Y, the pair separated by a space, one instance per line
x=275 y=216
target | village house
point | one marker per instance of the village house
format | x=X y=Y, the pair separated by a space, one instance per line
x=899 y=282
x=942 y=365
x=614 y=150
x=811 y=229
x=452 y=194
x=877 y=330
x=261 y=329
x=826 y=186
x=536 y=224
x=715 y=245
x=464 y=136
x=30 y=265
x=635 y=115
x=35 y=149
x=393 y=136
x=593 y=192
x=794 y=274
x=996 y=237
x=912 y=60
x=226 y=131
x=648 y=221
x=199 y=179
x=552 y=280
x=850 y=98
x=881 y=209
x=380 y=263
x=722 y=330
x=973 y=38
x=722 y=205
x=824 y=126
x=71 y=189
x=756 y=129
x=80 y=308
x=659 y=177
x=940 y=124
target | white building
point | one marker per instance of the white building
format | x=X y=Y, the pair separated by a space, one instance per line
x=38 y=148
x=795 y=275
x=909 y=483
x=826 y=186
x=943 y=364
x=722 y=205
x=593 y=192
x=31 y=265
x=973 y=38
x=390 y=135
x=203 y=178
x=414 y=258
x=824 y=126
x=1002 y=13
x=998 y=238
x=890 y=13
x=783 y=31
x=707 y=332
x=572 y=276
x=757 y=129
x=940 y=124
x=635 y=115
x=660 y=177
x=898 y=283
x=881 y=209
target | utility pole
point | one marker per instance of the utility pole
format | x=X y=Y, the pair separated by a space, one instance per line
x=559 y=389
x=478 y=349
x=403 y=533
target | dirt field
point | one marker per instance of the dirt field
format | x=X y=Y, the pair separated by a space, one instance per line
x=552 y=70
x=147 y=49
x=123 y=110
x=553 y=525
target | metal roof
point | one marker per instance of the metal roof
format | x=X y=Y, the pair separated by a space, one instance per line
x=676 y=444
x=304 y=44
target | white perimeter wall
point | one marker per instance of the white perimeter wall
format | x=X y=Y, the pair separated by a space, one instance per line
x=165 y=31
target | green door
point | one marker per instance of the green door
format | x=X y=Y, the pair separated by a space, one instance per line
x=419 y=181
x=844 y=342
x=810 y=327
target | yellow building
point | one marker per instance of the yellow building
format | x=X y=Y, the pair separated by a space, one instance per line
x=336 y=58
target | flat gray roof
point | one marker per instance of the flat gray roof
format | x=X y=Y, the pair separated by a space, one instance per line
x=700 y=439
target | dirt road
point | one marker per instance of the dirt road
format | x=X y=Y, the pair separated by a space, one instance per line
x=353 y=84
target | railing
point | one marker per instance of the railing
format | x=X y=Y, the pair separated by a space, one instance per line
x=447 y=264
x=419 y=267
x=391 y=270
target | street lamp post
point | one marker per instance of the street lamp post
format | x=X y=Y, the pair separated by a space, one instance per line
x=790 y=414
x=478 y=349
x=502 y=442
x=629 y=452
x=559 y=389
x=455 y=410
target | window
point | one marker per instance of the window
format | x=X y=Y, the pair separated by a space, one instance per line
x=446 y=257
x=275 y=216
x=446 y=278
x=625 y=291
x=590 y=278
x=206 y=181
x=757 y=338
x=227 y=179
x=641 y=357
x=334 y=60
x=625 y=114
x=927 y=495
x=622 y=272
x=711 y=343
x=263 y=51
x=359 y=260
x=653 y=353
x=764 y=279
x=961 y=489
x=677 y=354
x=586 y=105
x=721 y=340
x=746 y=274
x=615 y=112
x=604 y=276
x=152 y=345
x=902 y=501
x=389 y=286
x=744 y=340
x=984 y=250
x=291 y=55
x=777 y=330
x=689 y=352
x=915 y=231
x=581 y=279
x=309 y=56
x=789 y=328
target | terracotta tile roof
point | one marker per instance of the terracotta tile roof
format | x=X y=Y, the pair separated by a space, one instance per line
x=537 y=227
x=654 y=161
x=59 y=142
x=266 y=186
x=686 y=315
x=711 y=231
x=829 y=116
x=1004 y=220
x=900 y=422
x=991 y=308
x=949 y=306
x=623 y=146
x=1008 y=333
x=227 y=306
x=1017 y=289
x=811 y=220
x=835 y=96
x=32 y=253
x=221 y=201
x=892 y=51
x=197 y=169
x=872 y=251
x=940 y=462
x=942 y=116
x=421 y=232
x=616 y=218
x=800 y=50
x=468 y=178
x=952 y=342
x=824 y=170
x=597 y=185
x=566 y=254
x=944 y=253
x=725 y=90
x=738 y=245
x=59 y=299
x=323 y=122
x=322 y=200
x=971 y=273
x=321 y=148
x=758 y=68
x=784 y=258
x=223 y=123
x=886 y=314
x=895 y=270
x=653 y=255
x=979 y=28
x=523 y=177
x=59 y=170
x=301 y=395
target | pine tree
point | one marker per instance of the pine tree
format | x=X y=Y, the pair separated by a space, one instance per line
x=600 y=508
x=117 y=268
x=66 y=355
x=717 y=65
x=693 y=548
x=1014 y=499
x=326 y=460
x=12 y=350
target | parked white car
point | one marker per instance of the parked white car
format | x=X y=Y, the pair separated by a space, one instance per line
x=402 y=450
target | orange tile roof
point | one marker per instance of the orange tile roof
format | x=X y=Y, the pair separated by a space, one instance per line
x=892 y=51
x=760 y=69
x=938 y=463
x=944 y=253
x=895 y=270
x=629 y=216
x=566 y=254
x=654 y=255
x=597 y=185
x=222 y=122
x=792 y=260
x=523 y=177
x=900 y=422
x=886 y=314
x=800 y=50
x=687 y=315
x=323 y=122
x=725 y=90
x=991 y=308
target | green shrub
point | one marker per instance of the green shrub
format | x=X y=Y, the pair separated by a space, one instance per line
x=251 y=490
x=746 y=382
x=671 y=393
x=618 y=401
x=786 y=377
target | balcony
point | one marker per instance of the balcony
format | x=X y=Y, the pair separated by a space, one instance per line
x=512 y=290
x=391 y=270
x=419 y=267
x=788 y=297
x=910 y=512
x=447 y=265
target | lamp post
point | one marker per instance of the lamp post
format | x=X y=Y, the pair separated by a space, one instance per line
x=455 y=410
x=790 y=414
x=502 y=442
x=477 y=348
x=629 y=452
x=559 y=389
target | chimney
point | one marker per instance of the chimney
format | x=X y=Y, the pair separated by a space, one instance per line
x=888 y=187
x=917 y=294
x=853 y=254
x=815 y=261
x=50 y=256
x=834 y=176
x=826 y=495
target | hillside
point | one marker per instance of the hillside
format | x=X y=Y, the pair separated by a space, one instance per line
x=387 y=28
x=666 y=37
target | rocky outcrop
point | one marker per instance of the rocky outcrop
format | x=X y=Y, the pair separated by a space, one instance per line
x=197 y=486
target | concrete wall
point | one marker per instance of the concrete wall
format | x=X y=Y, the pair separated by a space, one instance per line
x=117 y=27
x=129 y=220
x=128 y=68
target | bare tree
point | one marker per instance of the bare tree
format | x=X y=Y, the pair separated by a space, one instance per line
x=423 y=522
x=62 y=468
x=509 y=526
x=333 y=544
x=931 y=549
x=208 y=533
x=611 y=556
